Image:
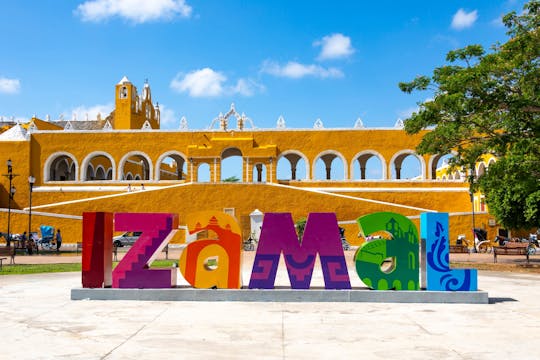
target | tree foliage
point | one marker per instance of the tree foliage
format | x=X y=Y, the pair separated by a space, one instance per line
x=233 y=178
x=489 y=102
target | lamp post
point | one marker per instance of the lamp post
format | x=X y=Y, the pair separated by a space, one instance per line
x=31 y=181
x=471 y=193
x=10 y=175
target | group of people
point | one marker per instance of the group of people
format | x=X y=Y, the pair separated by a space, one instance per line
x=31 y=243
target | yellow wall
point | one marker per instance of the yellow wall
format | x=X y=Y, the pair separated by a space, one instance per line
x=347 y=197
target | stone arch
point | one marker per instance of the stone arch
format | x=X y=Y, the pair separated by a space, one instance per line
x=100 y=173
x=88 y=161
x=480 y=169
x=129 y=176
x=328 y=158
x=110 y=173
x=362 y=158
x=181 y=162
x=433 y=164
x=139 y=161
x=228 y=153
x=61 y=166
x=397 y=161
x=491 y=162
x=203 y=166
x=259 y=173
x=89 y=171
x=293 y=156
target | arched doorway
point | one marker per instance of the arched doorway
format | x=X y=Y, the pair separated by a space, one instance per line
x=232 y=165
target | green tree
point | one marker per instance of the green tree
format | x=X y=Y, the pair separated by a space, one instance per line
x=300 y=226
x=488 y=103
x=233 y=178
x=513 y=192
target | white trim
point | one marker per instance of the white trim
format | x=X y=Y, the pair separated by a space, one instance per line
x=354 y=198
x=384 y=165
x=123 y=193
x=385 y=189
x=302 y=155
x=88 y=159
x=126 y=157
x=52 y=158
x=166 y=155
x=337 y=154
x=408 y=152
x=39 y=213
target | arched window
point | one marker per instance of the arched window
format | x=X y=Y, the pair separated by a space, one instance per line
x=292 y=165
x=231 y=164
x=407 y=165
x=60 y=167
x=329 y=165
x=368 y=165
x=95 y=164
x=171 y=166
x=203 y=172
x=136 y=163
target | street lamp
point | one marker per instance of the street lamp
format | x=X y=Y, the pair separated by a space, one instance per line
x=471 y=192
x=10 y=175
x=31 y=181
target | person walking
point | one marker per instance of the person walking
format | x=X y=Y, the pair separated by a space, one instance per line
x=58 y=240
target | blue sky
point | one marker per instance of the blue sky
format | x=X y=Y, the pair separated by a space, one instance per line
x=304 y=60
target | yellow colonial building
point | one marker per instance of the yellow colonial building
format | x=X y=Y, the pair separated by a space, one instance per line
x=124 y=162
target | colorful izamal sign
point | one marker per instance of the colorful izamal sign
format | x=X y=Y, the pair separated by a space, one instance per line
x=278 y=238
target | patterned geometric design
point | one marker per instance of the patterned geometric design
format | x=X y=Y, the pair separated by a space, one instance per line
x=134 y=269
x=321 y=235
x=434 y=229
x=402 y=248
x=213 y=263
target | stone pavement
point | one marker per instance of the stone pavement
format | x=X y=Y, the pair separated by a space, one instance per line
x=39 y=321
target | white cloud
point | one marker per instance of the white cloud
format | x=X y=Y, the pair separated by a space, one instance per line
x=462 y=19
x=82 y=111
x=296 y=70
x=9 y=86
x=210 y=83
x=247 y=87
x=334 y=46
x=168 y=118
x=138 y=11
x=200 y=83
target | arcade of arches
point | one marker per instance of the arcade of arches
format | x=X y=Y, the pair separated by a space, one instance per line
x=102 y=165
x=266 y=156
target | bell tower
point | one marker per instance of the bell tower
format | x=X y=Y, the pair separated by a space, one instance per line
x=133 y=112
x=126 y=100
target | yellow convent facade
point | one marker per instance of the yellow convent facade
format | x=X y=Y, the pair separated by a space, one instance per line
x=123 y=162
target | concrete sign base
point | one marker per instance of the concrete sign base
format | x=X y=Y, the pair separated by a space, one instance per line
x=282 y=295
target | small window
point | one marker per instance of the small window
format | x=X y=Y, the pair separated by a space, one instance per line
x=123 y=92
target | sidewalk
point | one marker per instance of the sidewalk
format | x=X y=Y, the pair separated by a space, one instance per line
x=39 y=321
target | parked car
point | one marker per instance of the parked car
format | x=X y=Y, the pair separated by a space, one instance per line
x=127 y=238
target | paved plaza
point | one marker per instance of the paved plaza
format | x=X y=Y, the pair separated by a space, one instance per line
x=39 y=321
